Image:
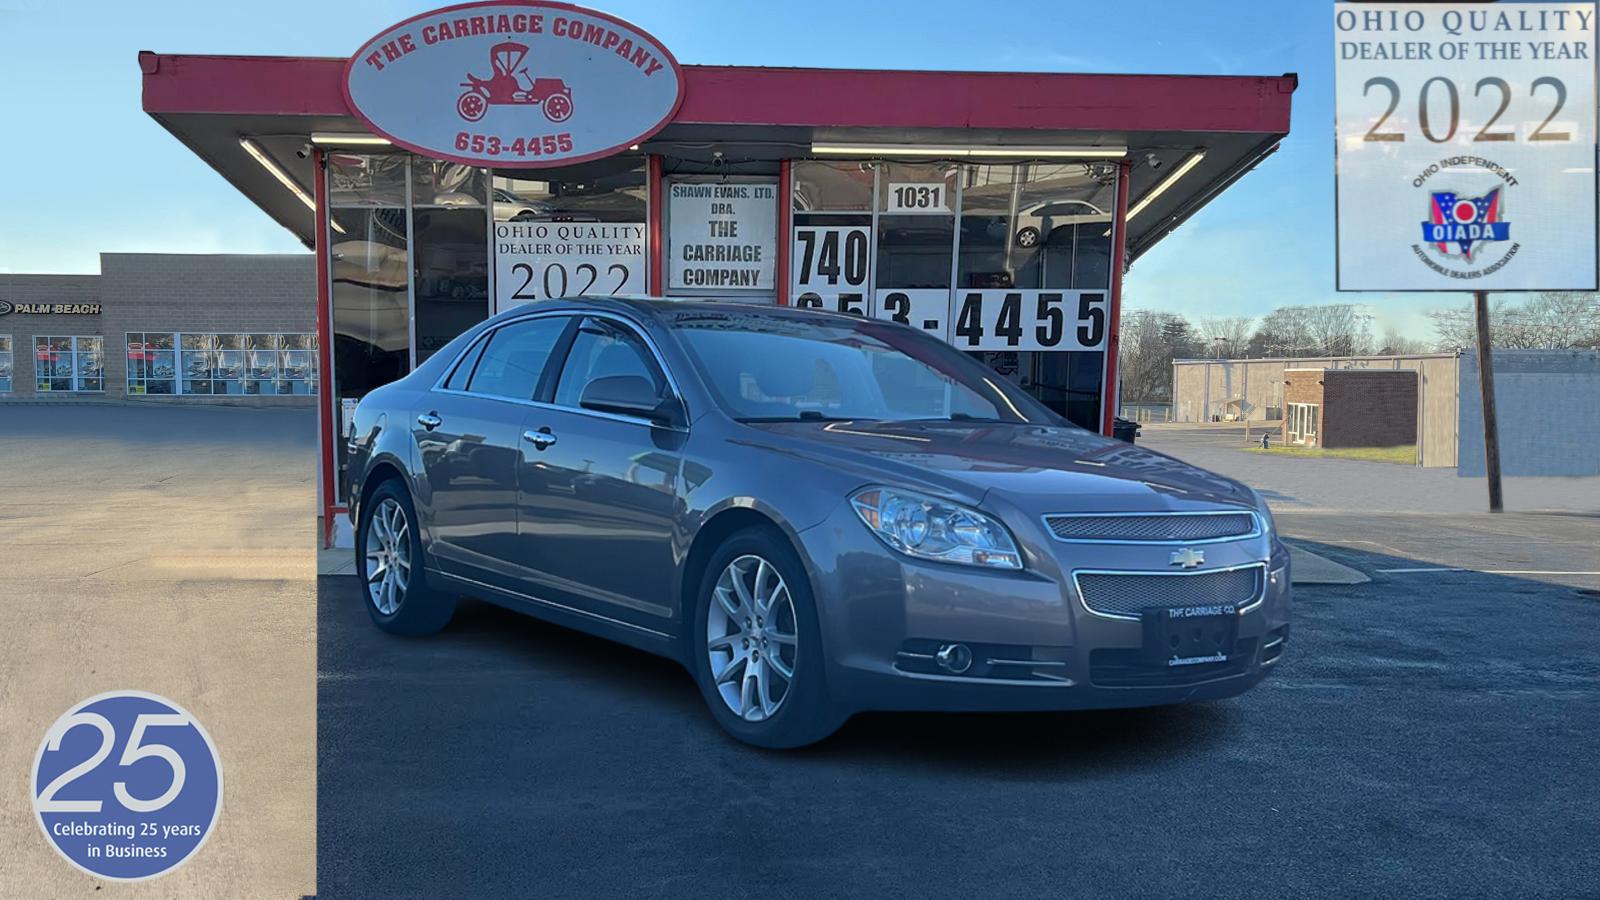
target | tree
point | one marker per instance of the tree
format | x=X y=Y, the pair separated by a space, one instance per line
x=1150 y=340
x=1335 y=329
x=1396 y=344
x=1227 y=336
x=1551 y=320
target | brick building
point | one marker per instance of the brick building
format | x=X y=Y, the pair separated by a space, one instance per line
x=181 y=328
x=1350 y=407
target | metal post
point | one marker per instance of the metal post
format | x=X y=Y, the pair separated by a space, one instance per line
x=1491 y=428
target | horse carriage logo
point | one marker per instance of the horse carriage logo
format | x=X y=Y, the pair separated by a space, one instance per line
x=510 y=84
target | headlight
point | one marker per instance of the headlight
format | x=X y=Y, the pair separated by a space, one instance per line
x=927 y=528
x=1265 y=513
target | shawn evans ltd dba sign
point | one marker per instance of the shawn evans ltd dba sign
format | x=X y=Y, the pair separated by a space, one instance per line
x=514 y=84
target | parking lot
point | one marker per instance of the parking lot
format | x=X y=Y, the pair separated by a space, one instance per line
x=1430 y=734
x=164 y=549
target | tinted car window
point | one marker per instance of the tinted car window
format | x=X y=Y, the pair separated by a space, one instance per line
x=772 y=368
x=514 y=358
x=463 y=371
x=600 y=350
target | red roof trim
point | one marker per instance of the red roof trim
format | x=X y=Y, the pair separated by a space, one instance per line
x=831 y=98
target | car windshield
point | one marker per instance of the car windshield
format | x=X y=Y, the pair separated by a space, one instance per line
x=771 y=368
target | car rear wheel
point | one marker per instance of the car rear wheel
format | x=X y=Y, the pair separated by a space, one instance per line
x=389 y=563
x=758 y=654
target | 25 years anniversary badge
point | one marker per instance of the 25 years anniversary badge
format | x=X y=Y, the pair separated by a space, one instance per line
x=127 y=785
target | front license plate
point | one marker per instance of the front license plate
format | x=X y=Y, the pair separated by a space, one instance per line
x=1189 y=635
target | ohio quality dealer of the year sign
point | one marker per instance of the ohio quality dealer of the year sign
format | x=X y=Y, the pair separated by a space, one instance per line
x=1465 y=155
x=514 y=84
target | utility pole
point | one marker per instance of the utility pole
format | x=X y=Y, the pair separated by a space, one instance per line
x=1491 y=428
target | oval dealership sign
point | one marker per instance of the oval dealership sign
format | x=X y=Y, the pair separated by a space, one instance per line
x=514 y=84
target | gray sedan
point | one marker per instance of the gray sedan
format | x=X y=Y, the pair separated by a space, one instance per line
x=816 y=514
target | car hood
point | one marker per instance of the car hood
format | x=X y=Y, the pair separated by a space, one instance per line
x=1037 y=468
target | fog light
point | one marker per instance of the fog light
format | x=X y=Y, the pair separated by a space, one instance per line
x=954 y=658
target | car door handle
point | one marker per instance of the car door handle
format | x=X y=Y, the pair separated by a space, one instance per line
x=429 y=420
x=540 y=439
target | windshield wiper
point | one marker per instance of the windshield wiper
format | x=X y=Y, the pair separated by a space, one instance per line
x=805 y=415
x=961 y=417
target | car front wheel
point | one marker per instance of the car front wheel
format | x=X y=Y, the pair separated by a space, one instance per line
x=758 y=654
x=389 y=562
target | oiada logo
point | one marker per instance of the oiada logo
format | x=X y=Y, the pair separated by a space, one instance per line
x=1462 y=229
x=520 y=83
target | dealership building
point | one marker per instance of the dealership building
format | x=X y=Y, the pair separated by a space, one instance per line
x=477 y=157
x=164 y=328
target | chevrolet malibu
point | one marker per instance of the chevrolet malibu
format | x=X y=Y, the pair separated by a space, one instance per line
x=815 y=514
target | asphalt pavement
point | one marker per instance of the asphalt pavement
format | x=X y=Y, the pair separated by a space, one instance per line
x=1430 y=734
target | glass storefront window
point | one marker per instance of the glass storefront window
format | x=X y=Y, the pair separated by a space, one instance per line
x=227 y=365
x=371 y=315
x=571 y=230
x=152 y=365
x=369 y=268
x=5 y=364
x=360 y=179
x=916 y=225
x=450 y=258
x=297 y=364
x=1037 y=225
x=609 y=190
x=831 y=246
x=1040 y=226
x=196 y=362
x=68 y=364
x=224 y=364
x=438 y=183
x=831 y=186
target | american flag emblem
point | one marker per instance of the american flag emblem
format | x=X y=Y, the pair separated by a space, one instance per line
x=1464 y=221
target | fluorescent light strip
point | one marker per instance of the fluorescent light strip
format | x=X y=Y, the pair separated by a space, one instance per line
x=267 y=162
x=1169 y=181
x=968 y=152
x=342 y=139
x=272 y=167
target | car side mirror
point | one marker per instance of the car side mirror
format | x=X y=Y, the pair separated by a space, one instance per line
x=631 y=395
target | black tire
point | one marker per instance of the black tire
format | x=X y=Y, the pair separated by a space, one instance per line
x=421 y=609
x=1028 y=237
x=806 y=713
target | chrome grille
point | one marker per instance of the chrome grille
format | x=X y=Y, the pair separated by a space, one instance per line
x=1127 y=594
x=1154 y=527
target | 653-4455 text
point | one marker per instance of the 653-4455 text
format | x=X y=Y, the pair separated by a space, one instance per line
x=494 y=145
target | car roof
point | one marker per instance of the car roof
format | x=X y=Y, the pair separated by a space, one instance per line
x=662 y=310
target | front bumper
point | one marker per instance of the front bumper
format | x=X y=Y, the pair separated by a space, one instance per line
x=1033 y=643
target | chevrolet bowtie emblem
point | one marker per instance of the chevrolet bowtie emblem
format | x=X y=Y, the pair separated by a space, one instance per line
x=1188 y=557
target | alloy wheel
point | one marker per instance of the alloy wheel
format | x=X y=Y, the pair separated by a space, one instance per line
x=388 y=559
x=751 y=638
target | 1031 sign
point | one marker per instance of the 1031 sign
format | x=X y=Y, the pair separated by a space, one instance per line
x=929 y=198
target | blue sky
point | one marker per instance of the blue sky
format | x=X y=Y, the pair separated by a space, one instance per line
x=87 y=170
